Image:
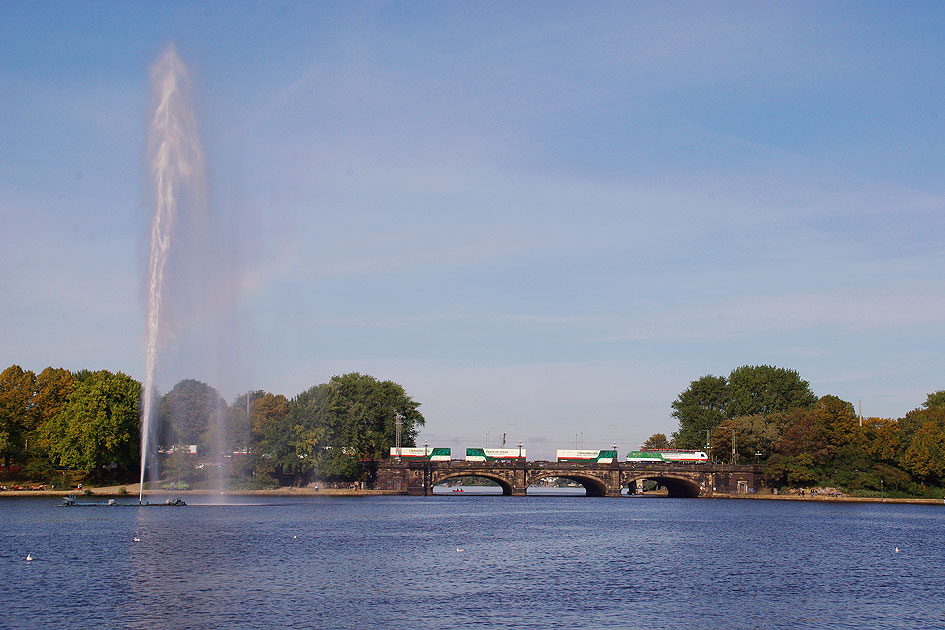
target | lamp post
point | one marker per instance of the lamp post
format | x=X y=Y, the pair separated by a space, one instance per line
x=398 y=425
x=426 y=448
x=734 y=456
x=524 y=481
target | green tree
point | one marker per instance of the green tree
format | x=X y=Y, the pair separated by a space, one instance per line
x=801 y=470
x=98 y=425
x=891 y=478
x=364 y=410
x=935 y=399
x=335 y=465
x=237 y=423
x=756 y=436
x=700 y=408
x=775 y=470
x=748 y=391
x=326 y=428
x=179 y=467
x=16 y=411
x=189 y=414
x=852 y=467
x=765 y=389
x=290 y=432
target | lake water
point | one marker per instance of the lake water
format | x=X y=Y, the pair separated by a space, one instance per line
x=474 y=562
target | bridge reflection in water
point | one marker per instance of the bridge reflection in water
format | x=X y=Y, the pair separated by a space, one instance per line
x=598 y=480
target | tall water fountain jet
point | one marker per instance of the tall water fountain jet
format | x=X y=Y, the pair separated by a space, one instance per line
x=178 y=181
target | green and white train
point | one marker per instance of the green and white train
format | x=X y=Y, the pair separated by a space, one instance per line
x=668 y=456
x=600 y=457
x=495 y=454
x=427 y=453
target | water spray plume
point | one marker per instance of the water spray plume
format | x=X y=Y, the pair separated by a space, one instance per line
x=177 y=174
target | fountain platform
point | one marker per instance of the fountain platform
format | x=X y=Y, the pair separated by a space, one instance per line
x=70 y=501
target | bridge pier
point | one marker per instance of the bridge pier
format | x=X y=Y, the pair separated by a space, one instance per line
x=519 y=482
x=614 y=483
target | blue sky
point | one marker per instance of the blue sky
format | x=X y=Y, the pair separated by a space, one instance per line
x=543 y=219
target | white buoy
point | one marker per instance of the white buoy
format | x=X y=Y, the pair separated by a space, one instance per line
x=29 y=558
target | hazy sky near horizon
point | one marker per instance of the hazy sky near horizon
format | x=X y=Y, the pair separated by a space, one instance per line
x=543 y=219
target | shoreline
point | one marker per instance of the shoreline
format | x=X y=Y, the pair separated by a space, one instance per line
x=131 y=491
x=825 y=499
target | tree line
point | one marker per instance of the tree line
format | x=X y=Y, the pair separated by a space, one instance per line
x=771 y=417
x=91 y=422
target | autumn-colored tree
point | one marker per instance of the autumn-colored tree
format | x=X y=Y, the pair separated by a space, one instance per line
x=267 y=409
x=805 y=433
x=53 y=387
x=882 y=438
x=910 y=424
x=16 y=411
x=656 y=441
x=838 y=419
x=925 y=456
x=722 y=439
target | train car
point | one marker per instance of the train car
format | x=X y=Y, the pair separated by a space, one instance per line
x=431 y=454
x=495 y=454
x=667 y=455
x=600 y=457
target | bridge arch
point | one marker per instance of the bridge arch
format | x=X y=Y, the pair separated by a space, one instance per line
x=502 y=483
x=593 y=487
x=677 y=485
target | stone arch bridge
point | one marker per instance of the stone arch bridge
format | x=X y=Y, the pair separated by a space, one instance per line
x=599 y=480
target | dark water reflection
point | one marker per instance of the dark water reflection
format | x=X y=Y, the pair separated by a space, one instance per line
x=481 y=562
